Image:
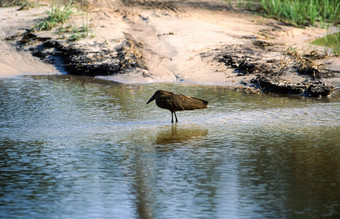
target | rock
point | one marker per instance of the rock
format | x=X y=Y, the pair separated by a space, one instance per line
x=102 y=58
x=271 y=64
x=319 y=89
x=89 y=59
x=308 y=88
x=273 y=85
x=250 y=58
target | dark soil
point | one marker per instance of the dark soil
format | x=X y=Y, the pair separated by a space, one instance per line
x=269 y=64
x=86 y=59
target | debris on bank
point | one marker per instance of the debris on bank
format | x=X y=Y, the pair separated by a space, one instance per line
x=307 y=88
x=88 y=59
x=273 y=68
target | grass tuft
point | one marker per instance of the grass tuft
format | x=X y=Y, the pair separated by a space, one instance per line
x=298 y=12
x=57 y=15
x=304 y=12
x=331 y=40
x=78 y=33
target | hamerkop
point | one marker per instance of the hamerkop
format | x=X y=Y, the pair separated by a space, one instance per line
x=176 y=102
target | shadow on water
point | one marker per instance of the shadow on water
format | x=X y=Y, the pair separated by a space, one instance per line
x=75 y=147
x=177 y=134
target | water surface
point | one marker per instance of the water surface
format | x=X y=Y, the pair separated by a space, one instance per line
x=73 y=147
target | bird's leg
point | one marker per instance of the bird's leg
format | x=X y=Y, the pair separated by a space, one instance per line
x=176 y=117
x=172 y=117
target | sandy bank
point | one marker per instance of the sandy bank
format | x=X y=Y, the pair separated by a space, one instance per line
x=201 y=41
x=13 y=61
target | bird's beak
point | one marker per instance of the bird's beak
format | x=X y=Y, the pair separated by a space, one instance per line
x=151 y=99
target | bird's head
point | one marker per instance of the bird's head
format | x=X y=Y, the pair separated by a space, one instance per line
x=157 y=94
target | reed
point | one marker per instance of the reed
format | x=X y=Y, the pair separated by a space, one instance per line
x=331 y=40
x=298 y=12
x=85 y=30
x=304 y=12
x=58 y=14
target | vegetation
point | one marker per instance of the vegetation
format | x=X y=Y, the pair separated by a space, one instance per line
x=298 y=12
x=301 y=13
x=10 y=3
x=304 y=12
x=331 y=40
x=57 y=15
x=75 y=33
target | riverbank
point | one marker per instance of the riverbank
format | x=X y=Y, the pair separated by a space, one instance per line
x=205 y=42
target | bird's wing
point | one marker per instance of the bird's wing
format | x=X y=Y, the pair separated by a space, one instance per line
x=190 y=103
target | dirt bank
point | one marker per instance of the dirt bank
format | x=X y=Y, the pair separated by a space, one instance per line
x=14 y=61
x=201 y=41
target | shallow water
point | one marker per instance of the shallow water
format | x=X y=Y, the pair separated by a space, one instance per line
x=76 y=148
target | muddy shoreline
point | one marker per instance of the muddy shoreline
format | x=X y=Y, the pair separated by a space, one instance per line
x=139 y=42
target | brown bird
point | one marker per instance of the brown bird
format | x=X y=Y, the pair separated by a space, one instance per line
x=176 y=102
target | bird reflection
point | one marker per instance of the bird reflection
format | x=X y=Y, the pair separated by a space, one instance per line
x=177 y=134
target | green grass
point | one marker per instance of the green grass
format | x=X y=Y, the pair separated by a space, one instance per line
x=303 y=12
x=298 y=12
x=78 y=33
x=73 y=32
x=57 y=15
x=331 y=40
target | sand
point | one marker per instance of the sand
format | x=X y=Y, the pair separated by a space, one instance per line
x=173 y=35
x=13 y=61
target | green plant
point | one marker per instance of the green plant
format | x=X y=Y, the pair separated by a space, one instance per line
x=331 y=40
x=58 y=14
x=303 y=12
x=299 y=12
x=72 y=31
x=78 y=33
